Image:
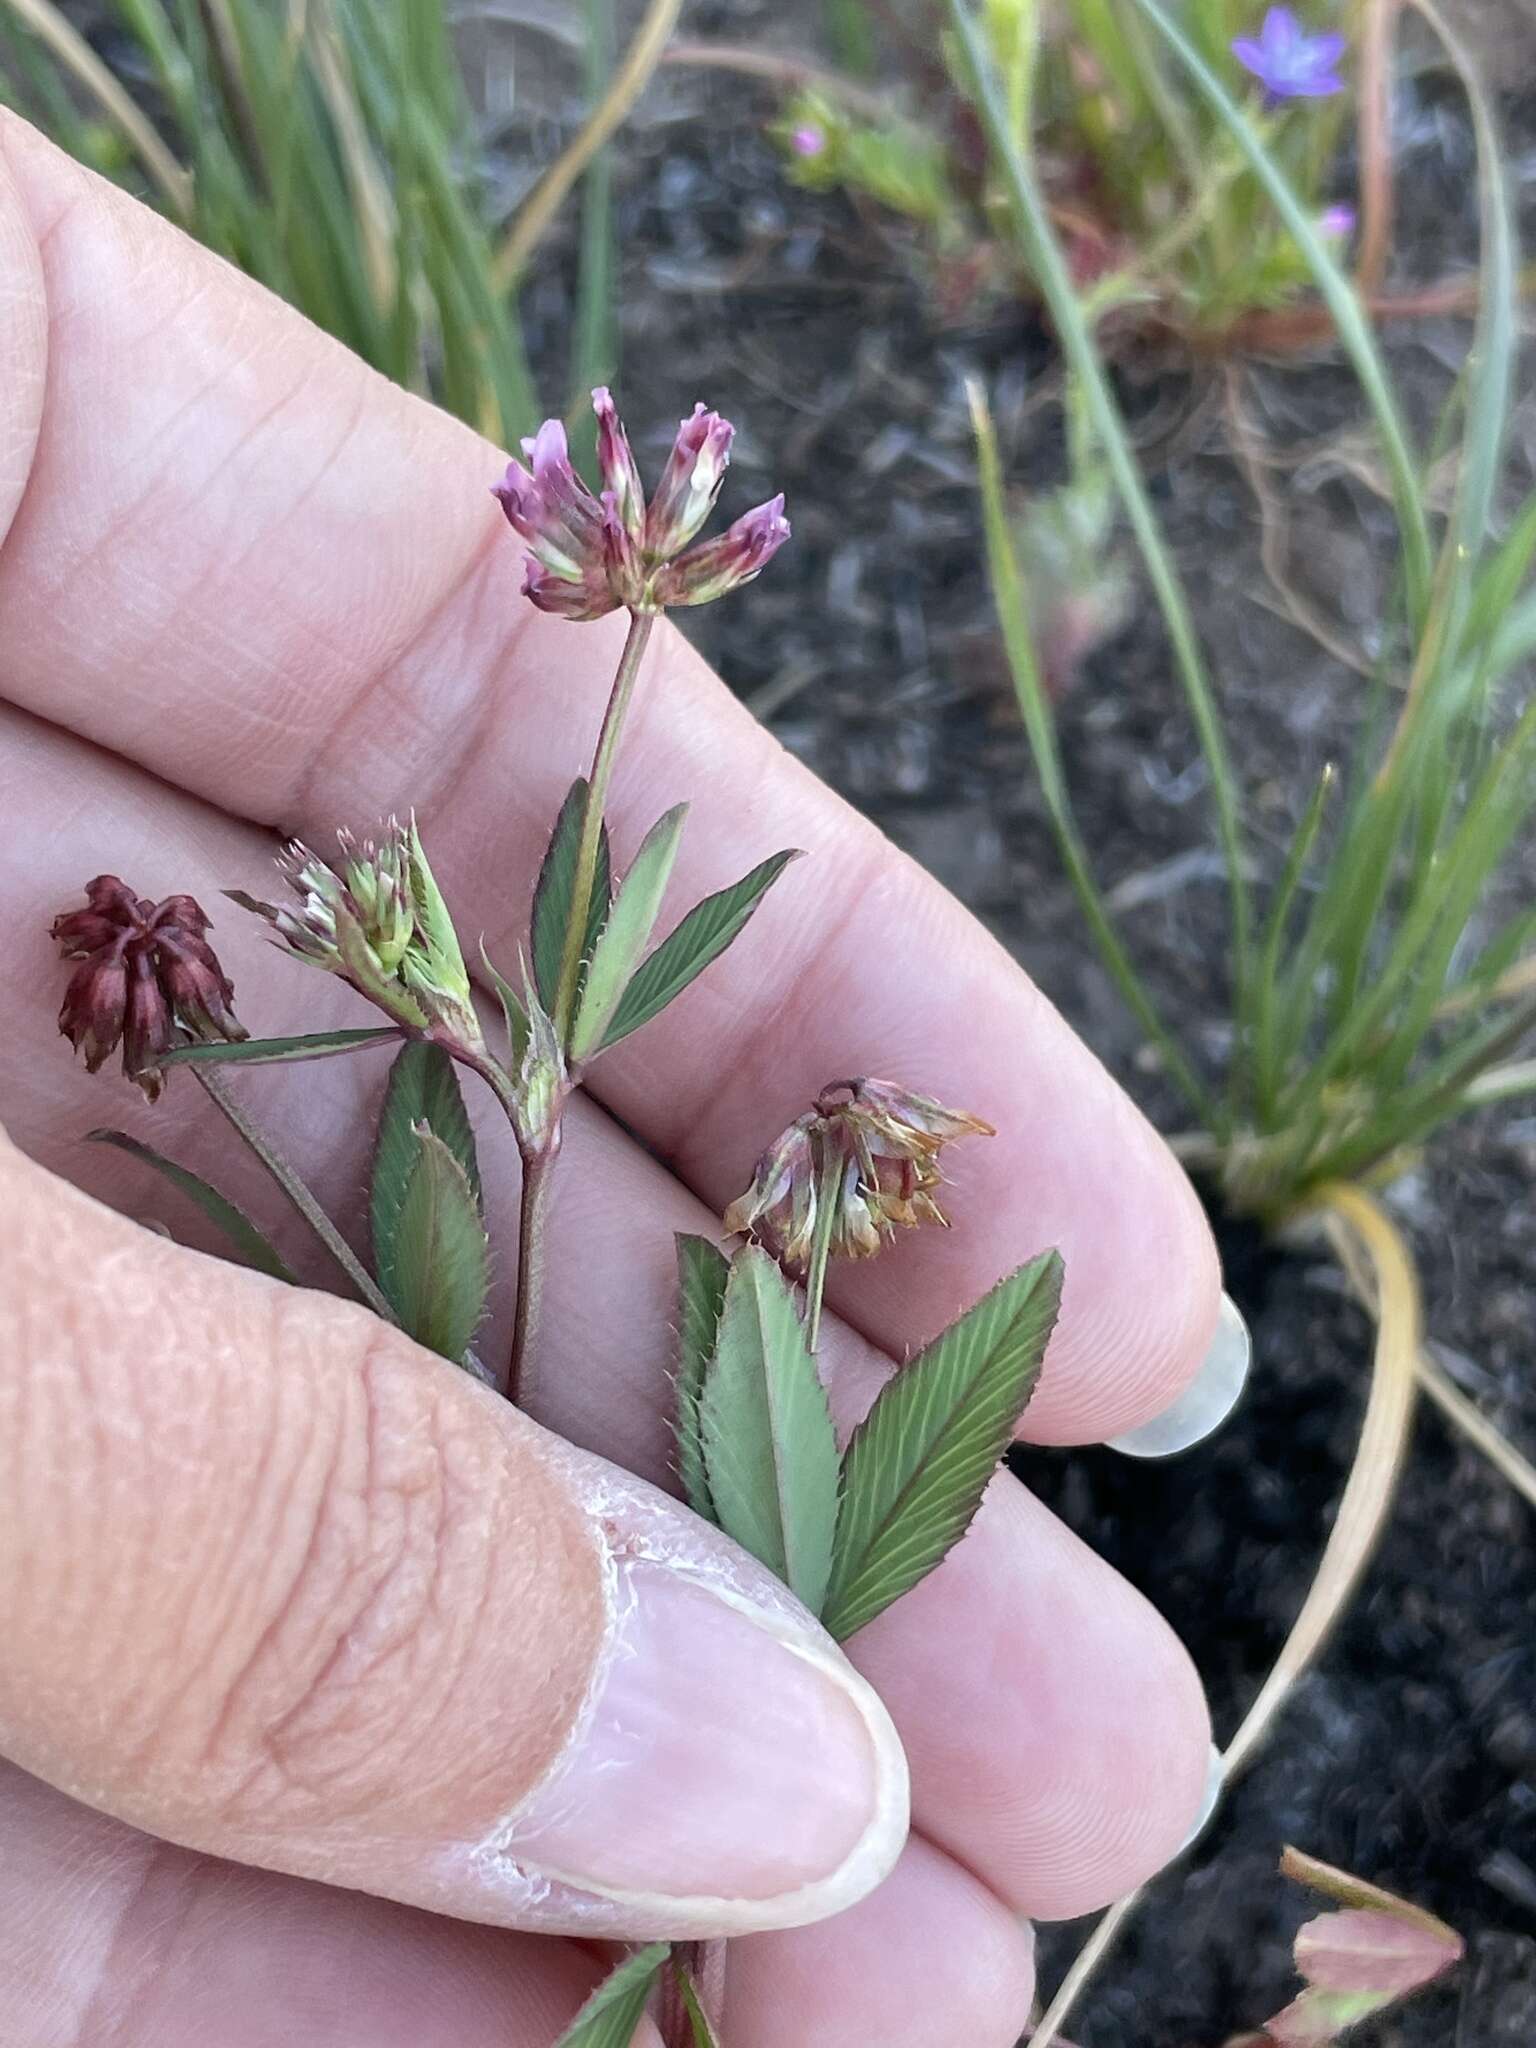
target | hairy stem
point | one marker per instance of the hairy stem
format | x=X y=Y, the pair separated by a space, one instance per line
x=217 y=1091
x=532 y=1222
x=640 y=624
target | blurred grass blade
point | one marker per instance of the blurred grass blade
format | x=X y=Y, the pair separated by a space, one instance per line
x=251 y=1248
x=1040 y=727
x=1339 y=295
x=1042 y=252
x=58 y=34
x=594 y=345
x=625 y=87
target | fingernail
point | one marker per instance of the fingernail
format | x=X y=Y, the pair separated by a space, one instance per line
x=1215 y=1780
x=731 y=1772
x=1208 y=1399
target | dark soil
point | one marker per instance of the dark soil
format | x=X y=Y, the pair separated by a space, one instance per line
x=1410 y=1755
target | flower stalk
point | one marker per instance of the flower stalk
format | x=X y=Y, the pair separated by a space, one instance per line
x=607 y=753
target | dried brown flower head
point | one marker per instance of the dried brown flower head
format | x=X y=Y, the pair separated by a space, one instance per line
x=147 y=979
x=870 y=1149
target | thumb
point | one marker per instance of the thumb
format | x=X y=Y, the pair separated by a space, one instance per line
x=278 y=1585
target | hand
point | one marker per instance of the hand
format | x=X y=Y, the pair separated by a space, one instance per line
x=274 y=1584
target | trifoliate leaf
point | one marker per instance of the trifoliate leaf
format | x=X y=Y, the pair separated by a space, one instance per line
x=627 y=933
x=917 y=1466
x=251 y=1248
x=701 y=937
x=552 y=894
x=615 y=2009
x=261 y=1052
x=423 y=1089
x=441 y=1262
x=702 y=1270
x=769 y=1448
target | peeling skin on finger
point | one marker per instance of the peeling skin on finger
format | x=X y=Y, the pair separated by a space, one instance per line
x=613 y=1792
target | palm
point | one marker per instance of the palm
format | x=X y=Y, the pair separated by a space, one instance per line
x=247 y=588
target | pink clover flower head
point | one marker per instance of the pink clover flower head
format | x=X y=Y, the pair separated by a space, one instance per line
x=592 y=553
x=1290 y=62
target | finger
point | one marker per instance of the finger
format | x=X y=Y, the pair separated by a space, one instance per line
x=289 y=591
x=276 y=1585
x=930 y=1960
x=109 y=1935
x=984 y=1668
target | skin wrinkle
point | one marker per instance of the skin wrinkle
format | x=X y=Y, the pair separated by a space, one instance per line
x=248 y=1712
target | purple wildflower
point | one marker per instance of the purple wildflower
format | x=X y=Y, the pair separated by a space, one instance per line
x=592 y=554
x=808 y=139
x=1336 y=222
x=1288 y=61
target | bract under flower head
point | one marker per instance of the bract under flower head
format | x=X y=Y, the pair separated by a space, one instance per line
x=594 y=553
x=868 y=1147
x=1288 y=61
x=379 y=921
x=147 y=979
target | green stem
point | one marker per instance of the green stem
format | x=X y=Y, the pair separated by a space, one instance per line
x=640 y=624
x=532 y=1230
x=298 y=1194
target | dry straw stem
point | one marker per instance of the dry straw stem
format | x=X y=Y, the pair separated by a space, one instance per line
x=1469 y=1419
x=1376 y=42
x=548 y=196
x=76 y=56
x=372 y=204
x=1381 y=1268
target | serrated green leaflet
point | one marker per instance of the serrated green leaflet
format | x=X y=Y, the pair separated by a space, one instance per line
x=704 y=2035
x=423 y=1089
x=249 y=1244
x=261 y=1052
x=627 y=933
x=552 y=894
x=610 y=2016
x=916 y=1468
x=682 y=956
x=769 y=1449
x=702 y=1271
x=441 y=1266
